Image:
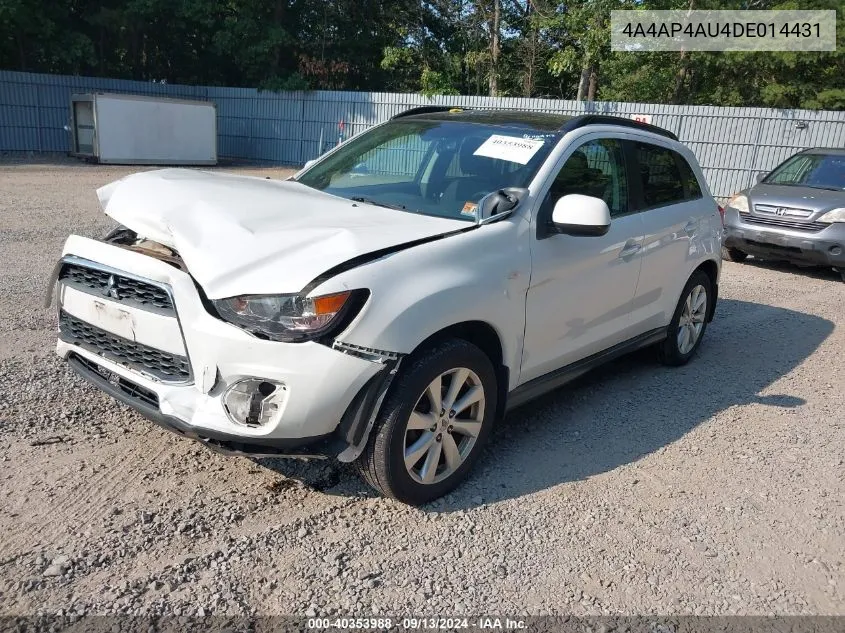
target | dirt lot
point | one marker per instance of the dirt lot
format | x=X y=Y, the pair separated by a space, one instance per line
x=716 y=488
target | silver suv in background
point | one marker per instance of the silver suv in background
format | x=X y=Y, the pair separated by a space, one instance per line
x=796 y=213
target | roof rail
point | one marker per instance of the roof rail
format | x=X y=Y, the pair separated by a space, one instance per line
x=427 y=110
x=604 y=119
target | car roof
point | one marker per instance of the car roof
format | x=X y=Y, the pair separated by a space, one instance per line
x=546 y=121
x=832 y=151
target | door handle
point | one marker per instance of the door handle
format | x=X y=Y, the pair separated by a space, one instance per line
x=630 y=249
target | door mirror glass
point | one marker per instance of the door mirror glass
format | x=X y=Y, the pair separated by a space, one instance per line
x=577 y=214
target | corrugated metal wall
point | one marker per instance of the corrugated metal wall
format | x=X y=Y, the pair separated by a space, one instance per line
x=732 y=144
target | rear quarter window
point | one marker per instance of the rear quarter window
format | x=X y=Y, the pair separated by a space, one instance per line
x=692 y=188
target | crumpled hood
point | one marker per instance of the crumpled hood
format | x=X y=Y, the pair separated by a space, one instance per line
x=244 y=235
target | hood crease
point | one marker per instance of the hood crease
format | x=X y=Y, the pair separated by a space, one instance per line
x=243 y=235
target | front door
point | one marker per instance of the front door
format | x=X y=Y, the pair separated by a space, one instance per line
x=581 y=290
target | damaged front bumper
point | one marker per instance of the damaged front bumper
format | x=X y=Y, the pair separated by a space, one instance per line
x=167 y=357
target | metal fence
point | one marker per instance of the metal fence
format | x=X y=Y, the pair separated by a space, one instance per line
x=732 y=144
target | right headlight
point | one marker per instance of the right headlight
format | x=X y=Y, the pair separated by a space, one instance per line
x=739 y=202
x=835 y=215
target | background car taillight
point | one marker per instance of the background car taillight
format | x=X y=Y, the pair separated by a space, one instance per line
x=721 y=213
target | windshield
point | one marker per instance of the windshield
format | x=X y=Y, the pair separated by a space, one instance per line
x=434 y=167
x=822 y=171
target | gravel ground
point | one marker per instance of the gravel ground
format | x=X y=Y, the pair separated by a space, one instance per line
x=716 y=488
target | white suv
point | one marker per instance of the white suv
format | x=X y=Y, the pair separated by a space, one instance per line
x=393 y=299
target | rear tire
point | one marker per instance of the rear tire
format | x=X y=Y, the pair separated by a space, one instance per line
x=733 y=254
x=415 y=453
x=689 y=321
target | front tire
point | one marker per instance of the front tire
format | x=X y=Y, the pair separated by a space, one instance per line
x=688 y=322
x=433 y=423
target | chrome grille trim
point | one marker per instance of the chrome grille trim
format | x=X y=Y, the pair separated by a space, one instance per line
x=148 y=361
x=126 y=289
x=789 y=212
x=782 y=222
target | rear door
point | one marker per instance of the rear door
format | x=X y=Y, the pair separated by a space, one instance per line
x=670 y=202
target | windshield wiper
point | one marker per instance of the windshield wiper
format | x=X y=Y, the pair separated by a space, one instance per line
x=822 y=187
x=378 y=203
x=801 y=184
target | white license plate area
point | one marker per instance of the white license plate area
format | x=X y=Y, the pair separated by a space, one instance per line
x=140 y=326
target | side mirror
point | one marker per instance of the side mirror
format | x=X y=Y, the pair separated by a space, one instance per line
x=500 y=203
x=308 y=163
x=581 y=215
x=759 y=177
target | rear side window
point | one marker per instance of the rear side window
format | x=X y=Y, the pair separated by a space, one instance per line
x=665 y=176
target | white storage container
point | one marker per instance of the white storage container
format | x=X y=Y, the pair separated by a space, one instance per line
x=140 y=130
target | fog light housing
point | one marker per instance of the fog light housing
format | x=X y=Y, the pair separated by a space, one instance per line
x=255 y=402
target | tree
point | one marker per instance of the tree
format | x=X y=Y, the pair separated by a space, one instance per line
x=547 y=48
x=585 y=29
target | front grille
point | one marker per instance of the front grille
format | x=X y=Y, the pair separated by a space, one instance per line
x=781 y=211
x=136 y=392
x=124 y=289
x=810 y=227
x=147 y=360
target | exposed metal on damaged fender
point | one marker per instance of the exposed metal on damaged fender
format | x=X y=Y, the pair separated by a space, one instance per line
x=360 y=417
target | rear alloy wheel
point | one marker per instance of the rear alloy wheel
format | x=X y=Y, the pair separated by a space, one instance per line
x=733 y=254
x=689 y=321
x=433 y=423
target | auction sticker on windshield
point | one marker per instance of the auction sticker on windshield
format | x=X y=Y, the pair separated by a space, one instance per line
x=469 y=209
x=510 y=148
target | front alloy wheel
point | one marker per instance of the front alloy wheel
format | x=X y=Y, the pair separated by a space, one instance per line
x=433 y=422
x=444 y=425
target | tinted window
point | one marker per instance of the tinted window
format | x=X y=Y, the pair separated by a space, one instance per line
x=596 y=168
x=823 y=171
x=692 y=190
x=434 y=167
x=660 y=176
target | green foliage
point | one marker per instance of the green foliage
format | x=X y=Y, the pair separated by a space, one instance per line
x=826 y=100
x=292 y=82
x=544 y=48
x=435 y=83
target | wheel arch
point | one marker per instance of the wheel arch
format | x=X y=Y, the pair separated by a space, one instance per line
x=355 y=425
x=484 y=336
